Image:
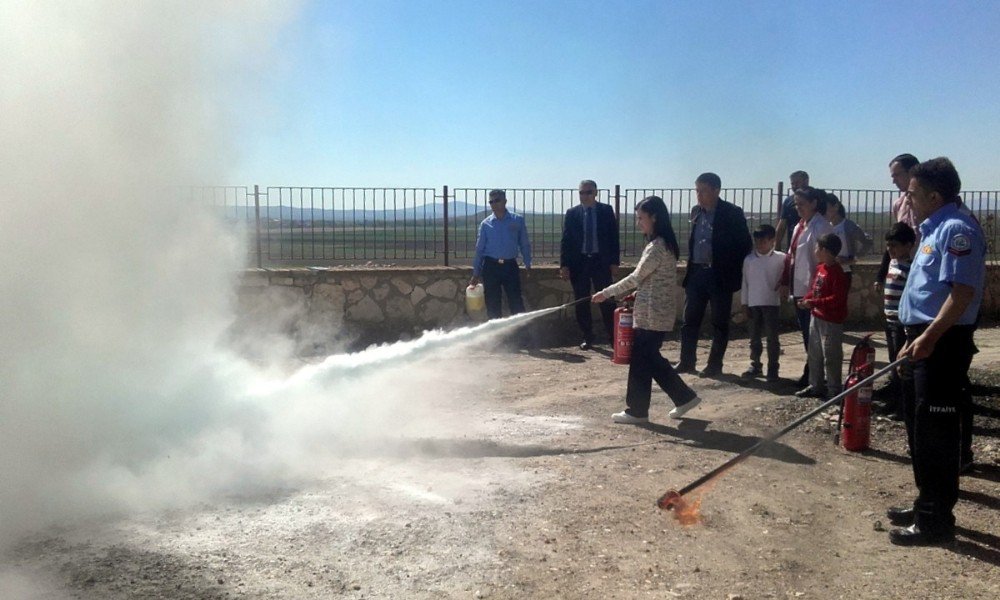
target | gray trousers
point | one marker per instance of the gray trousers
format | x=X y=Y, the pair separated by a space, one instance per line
x=826 y=355
x=764 y=322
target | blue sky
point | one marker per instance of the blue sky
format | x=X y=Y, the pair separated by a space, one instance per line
x=542 y=94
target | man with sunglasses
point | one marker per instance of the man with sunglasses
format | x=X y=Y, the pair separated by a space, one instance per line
x=501 y=236
x=589 y=256
x=939 y=310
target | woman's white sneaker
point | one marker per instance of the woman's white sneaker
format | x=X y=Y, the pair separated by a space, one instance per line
x=682 y=410
x=624 y=417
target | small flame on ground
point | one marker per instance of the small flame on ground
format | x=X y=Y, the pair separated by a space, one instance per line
x=689 y=512
x=686 y=513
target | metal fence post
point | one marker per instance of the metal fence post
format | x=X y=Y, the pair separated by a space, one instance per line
x=256 y=209
x=446 y=248
x=781 y=188
x=618 y=202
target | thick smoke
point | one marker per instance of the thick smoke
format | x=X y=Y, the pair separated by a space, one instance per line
x=114 y=290
x=119 y=392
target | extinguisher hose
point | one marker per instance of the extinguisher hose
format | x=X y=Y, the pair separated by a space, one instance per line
x=774 y=436
x=575 y=302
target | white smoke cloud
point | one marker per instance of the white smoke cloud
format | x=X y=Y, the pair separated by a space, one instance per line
x=117 y=390
x=114 y=293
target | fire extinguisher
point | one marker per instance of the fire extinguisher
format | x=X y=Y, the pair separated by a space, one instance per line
x=856 y=407
x=623 y=332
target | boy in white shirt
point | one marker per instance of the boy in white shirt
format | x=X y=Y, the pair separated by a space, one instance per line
x=762 y=270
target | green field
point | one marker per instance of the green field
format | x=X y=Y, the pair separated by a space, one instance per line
x=423 y=241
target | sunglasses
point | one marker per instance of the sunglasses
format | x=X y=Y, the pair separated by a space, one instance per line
x=587 y=192
x=495 y=200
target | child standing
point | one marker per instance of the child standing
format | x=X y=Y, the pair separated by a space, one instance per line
x=827 y=301
x=762 y=270
x=899 y=241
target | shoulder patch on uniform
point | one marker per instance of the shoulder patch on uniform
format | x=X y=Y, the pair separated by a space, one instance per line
x=927 y=250
x=959 y=245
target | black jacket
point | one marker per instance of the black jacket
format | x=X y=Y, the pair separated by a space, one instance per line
x=571 y=248
x=731 y=243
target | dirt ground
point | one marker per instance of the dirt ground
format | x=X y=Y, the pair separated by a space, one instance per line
x=540 y=495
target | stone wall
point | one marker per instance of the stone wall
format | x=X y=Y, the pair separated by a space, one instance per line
x=326 y=309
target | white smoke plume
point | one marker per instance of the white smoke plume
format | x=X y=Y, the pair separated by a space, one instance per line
x=117 y=390
x=114 y=292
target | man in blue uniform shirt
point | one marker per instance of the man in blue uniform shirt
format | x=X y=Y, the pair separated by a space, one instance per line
x=501 y=236
x=938 y=309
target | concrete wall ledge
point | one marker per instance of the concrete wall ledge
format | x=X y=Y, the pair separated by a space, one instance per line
x=336 y=307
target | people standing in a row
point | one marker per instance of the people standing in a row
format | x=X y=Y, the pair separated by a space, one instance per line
x=502 y=235
x=719 y=242
x=939 y=310
x=800 y=262
x=654 y=313
x=902 y=208
x=788 y=217
x=761 y=298
x=901 y=211
x=851 y=236
x=899 y=242
x=589 y=256
x=826 y=301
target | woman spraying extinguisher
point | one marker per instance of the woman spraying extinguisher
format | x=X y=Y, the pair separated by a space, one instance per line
x=655 y=282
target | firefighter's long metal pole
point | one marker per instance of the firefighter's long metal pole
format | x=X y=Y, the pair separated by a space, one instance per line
x=663 y=501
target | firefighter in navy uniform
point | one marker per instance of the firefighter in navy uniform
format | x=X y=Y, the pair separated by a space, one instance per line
x=938 y=309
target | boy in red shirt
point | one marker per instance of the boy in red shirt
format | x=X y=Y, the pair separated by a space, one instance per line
x=827 y=299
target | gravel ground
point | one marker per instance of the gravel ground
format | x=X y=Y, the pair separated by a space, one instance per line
x=538 y=495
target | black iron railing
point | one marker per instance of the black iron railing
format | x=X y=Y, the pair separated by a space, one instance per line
x=290 y=225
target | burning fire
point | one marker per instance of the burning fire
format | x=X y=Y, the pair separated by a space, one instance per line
x=686 y=513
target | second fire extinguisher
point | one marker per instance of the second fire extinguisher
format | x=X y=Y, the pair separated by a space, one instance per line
x=855 y=411
x=623 y=332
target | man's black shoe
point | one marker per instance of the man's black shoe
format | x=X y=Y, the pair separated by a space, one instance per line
x=890 y=407
x=710 y=372
x=901 y=516
x=914 y=536
x=804 y=380
x=586 y=345
x=682 y=368
x=810 y=392
x=966 y=468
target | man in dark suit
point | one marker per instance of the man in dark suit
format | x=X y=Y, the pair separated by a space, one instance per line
x=590 y=256
x=719 y=242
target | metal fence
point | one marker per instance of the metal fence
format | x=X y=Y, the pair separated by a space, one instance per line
x=297 y=226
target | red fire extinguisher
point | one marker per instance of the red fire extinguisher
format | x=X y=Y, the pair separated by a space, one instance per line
x=856 y=410
x=623 y=332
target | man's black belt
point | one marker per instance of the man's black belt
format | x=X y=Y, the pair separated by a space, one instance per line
x=591 y=255
x=500 y=261
x=915 y=330
x=700 y=266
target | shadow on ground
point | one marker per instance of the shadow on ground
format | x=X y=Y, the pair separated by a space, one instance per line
x=696 y=431
x=696 y=437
